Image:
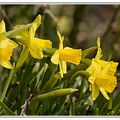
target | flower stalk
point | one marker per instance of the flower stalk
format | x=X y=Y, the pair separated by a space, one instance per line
x=7 y=85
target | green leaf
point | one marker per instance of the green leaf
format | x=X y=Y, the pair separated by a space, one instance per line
x=96 y=111
x=51 y=70
x=116 y=99
x=72 y=109
x=51 y=83
x=6 y=109
x=40 y=76
x=116 y=109
x=104 y=109
x=61 y=105
x=88 y=51
x=102 y=104
x=82 y=109
x=7 y=85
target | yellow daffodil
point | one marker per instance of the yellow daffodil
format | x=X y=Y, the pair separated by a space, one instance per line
x=31 y=45
x=102 y=75
x=64 y=55
x=6 y=47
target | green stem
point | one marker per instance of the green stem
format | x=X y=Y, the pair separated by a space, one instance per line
x=7 y=85
x=6 y=109
x=84 y=74
x=49 y=51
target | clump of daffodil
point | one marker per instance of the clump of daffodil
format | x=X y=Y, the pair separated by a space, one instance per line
x=102 y=75
x=31 y=44
x=6 y=47
x=64 y=55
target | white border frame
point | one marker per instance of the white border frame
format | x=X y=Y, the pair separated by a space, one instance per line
x=59 y=2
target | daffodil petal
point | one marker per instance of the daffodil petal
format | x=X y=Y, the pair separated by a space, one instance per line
x=61 y=70
x=6 y=53
x=37 y=20
x=111 y=69
x=35 y=25
x=12 y=44
x=58 y=33
x=104 y=93
x=25 y=36
x=95 y=92
x=99 y=52
x=35 y=50
x=71 y=55
x=2 y=27
x=23 y=56
x=42 y=43
x=6 y=64
x=55 y=58
x=92 y=79
x=4 y=42
x=21 y=34
x=63 y=67
x=94 y=68
x=61 y=39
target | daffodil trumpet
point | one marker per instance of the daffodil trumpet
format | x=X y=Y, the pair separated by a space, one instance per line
x=63 y=55
x=6 y=47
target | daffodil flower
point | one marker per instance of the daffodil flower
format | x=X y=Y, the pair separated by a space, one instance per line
x=64 y=55
x=102 y=75
x=31 y=44
x=6 y=47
